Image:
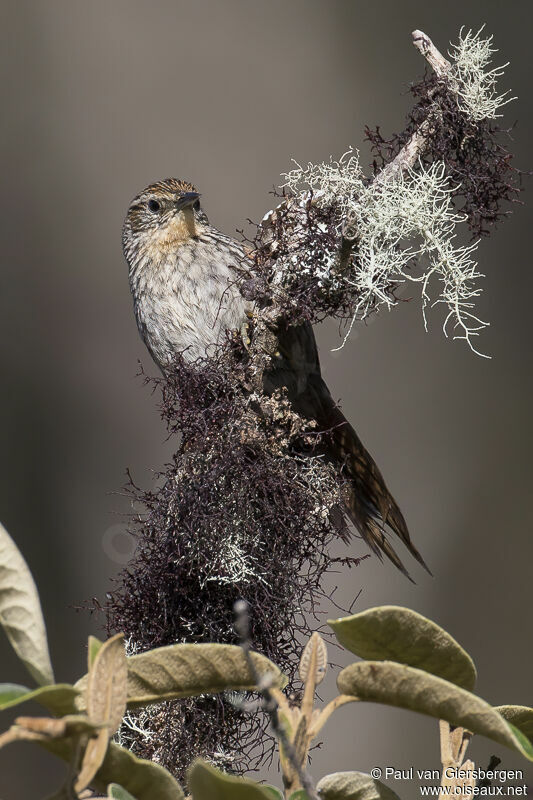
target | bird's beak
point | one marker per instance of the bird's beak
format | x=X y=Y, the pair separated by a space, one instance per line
x=186 y=200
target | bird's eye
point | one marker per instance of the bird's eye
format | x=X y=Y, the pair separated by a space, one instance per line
x=154 y=206
x=196 y=206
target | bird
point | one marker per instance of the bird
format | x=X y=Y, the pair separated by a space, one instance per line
x=186 y=297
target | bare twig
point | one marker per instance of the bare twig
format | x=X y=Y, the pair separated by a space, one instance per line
x=440 y=65
x=408 y=155
x=270 y=704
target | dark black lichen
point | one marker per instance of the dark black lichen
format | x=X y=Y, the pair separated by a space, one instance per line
x=244 y=510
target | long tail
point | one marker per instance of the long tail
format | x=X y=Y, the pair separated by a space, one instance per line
x=369 y=504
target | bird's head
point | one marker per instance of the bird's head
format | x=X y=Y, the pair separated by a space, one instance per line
x=162 y=217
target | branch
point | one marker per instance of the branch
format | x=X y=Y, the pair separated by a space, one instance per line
x=411 y=151
x=264 y=341
x=440 y=65
x=409 y=154
x=264 y=344
x=270 y=704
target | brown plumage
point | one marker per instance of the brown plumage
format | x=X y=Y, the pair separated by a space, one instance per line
x=183 y=278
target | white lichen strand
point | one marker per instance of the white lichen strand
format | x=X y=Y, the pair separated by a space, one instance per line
x=333 y=182
x=472 y=81
x=231 y=562
x=135 y=724
x=405 y=232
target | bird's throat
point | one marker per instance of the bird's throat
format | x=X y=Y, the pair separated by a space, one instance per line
x=190 y=223
x=180 y=230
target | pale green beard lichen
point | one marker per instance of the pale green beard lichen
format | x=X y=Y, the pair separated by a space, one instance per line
x=405 y=232
x=475 y=85
x=410 y=223
x=334 y=183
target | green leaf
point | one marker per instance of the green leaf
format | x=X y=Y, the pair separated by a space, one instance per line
x=299 y=794
x=10 y=694
x=58 y=698
x=118 y=792
x=416 y=690
x=274 y=793
x=20 y=612
x=353 y=786
x=519 y=716
x=208 y=783
x=392 y=633
x=93 y=649
x=186 y=670
x=144 y=780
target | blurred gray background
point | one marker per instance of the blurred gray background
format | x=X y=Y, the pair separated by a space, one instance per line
x=100 y=99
